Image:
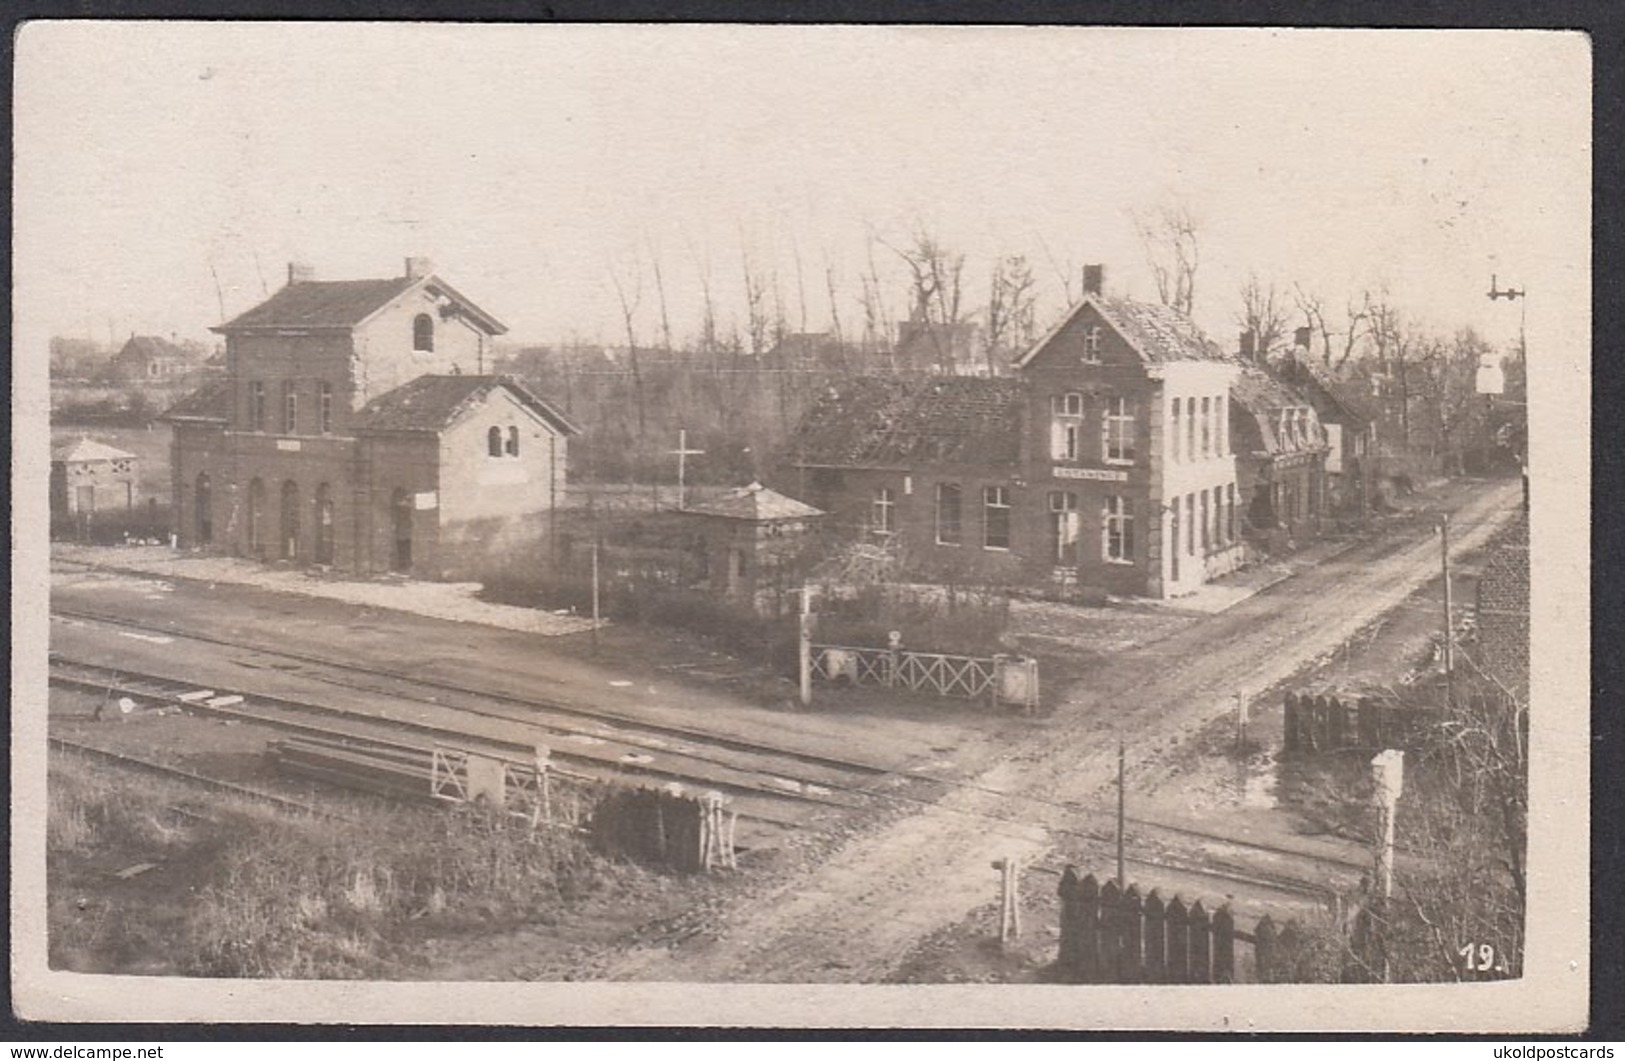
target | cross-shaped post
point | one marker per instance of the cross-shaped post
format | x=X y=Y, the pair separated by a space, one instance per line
x=683 y=453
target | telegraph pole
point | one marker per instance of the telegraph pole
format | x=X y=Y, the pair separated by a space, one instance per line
x=804 y=646
x=595 y=598
x=1449 y=631
x=1122 y=878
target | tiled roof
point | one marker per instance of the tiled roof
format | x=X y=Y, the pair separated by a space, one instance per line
x=152 y=346
x=1342 y=400
x=88 y=449
x=431 y=403
x=755 y=502
x=212 y=401
x=1155 y=332
x=1160 y=333
x=891 y=421
x=320 y=304
x=1258 y=393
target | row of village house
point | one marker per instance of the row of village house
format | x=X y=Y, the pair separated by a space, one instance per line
x=357 y=426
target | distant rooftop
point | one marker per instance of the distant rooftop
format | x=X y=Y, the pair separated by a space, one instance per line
x=756 y=503
x=87 y=449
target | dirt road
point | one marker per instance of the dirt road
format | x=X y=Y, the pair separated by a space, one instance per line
x=856 y=916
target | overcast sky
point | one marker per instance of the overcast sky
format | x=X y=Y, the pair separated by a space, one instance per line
x=531 y=162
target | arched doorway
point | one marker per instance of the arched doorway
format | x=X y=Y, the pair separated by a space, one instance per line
x=203 y=506
x=324 y=524
x=400 y=506
x=289 y=540
x=256 y=515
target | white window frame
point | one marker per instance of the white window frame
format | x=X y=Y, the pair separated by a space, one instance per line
x=1066 y=426
x=1091 y=344
x=883 y=512
x=1065 y=527
x=995 y=499
x=1117 y=530
x=959 y=514
x=1118 y=431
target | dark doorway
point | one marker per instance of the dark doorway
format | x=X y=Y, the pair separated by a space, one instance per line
x=203 y=502
x=256 y=514
x=290 y=520
x=400 y=505
x=324 y=524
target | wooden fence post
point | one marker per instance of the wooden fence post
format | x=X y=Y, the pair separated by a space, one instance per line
x=1156 y=939
x=1111 y=939
x=1201 y=945
x=1131 y=953
x=1339 y=724
x=1176 y=918
x=1089 y=939
x=1224 y=946
x=1068 y=961
x=1264 y=950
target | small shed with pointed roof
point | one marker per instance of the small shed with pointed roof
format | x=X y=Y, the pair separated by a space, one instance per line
x=89 y=476
x=751 y=538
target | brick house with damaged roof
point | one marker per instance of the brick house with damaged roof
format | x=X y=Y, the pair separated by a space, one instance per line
x=356 y=428
x=1104 y=462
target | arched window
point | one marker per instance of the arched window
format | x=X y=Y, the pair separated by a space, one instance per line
x=256 y=513
x=423 y=333
x=513 y=442
x=493 y=442
x=324 y=524
x=289 y=539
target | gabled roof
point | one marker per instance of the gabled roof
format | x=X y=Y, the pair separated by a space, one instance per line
x=1155 y=332
x=1260 y=394
x=433 y=403
x=152 y=346
x=320 y=304
x=88 y=449
x=756 y=503
x=342 y=304
x=212 y=401
x=1329 y=395
x=892 y=421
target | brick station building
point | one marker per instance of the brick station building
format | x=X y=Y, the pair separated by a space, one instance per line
x=1126 y=454
x=356 y=427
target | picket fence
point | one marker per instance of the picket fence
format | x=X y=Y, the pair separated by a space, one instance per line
x=1327 y=723
x=999 y=679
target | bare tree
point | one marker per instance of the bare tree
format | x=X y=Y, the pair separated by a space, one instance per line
x=1169 y=236
x=877 y=319
x=1263 y=314
x=1010 y=308
x=936 y=275
x=758 y=322
x=629 y=309
x=1065 y=272
x=660 y=294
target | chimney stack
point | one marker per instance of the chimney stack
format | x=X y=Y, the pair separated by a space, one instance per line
x=1248 y=345
x=418 y=268
x=301 y=273
x=1094 y=279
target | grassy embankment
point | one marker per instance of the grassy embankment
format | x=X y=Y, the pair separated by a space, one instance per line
x=240 y=889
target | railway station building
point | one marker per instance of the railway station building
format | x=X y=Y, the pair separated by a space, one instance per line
x=1121 y=457
x=356 y=427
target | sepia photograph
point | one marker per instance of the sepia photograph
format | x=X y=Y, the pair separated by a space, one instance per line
x=812 y=526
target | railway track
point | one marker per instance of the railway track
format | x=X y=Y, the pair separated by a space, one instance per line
x=770 y=785
x=188 y=777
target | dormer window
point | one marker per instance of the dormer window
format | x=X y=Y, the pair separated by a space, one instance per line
x=423 y=333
